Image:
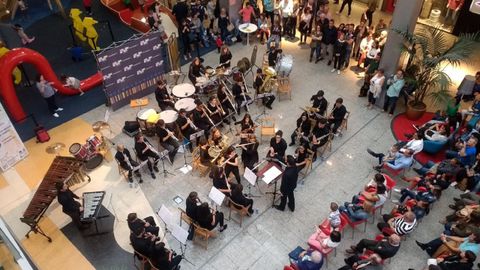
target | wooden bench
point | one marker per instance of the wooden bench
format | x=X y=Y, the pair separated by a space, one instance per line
x=199 y=231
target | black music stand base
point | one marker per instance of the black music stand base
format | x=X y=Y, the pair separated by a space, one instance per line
x=183 y=248
x=274 y=193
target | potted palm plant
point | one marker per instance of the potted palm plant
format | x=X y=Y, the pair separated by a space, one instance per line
x=430 y=51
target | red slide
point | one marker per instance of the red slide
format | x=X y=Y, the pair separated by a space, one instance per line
x=23 y=55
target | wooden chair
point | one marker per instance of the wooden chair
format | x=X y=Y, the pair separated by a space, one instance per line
x=122 y=171
x=308 y=165
x=141 y=258
x=284 y=87
x=197 y=165
x=327 y=146
x=240 y=209
x=344 y=125
x=267 y=127
x=199 y=231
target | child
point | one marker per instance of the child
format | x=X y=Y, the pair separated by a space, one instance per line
x=334 y=216
x=219 y=43
x=25 y=39
x=71 y=82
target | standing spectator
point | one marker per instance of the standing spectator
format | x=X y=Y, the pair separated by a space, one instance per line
x=263 y=30
x=381 y=25
x=223 y=22
x=395 y=86
x=360 y=32
x=48 y=93
x=329 y=37
x=87 y=5
x=186 y=40
x=365 y=46
x=339 y=50
x=247 y=13
x=346 y=2
x=349 y=38
x=211 y=5
x=289 y=183
x=372 y=6
x=286 y=10
x=316 y=43
x=303 y=27
x=275 y=37
x=372 y=53
x=268 y=9
x=21 y=33
x=376 y=84
x=180 y=11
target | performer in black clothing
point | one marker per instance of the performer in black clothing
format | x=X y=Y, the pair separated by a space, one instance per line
x=220 y=181
x=70 y=206
x=268 y=98
x=209 y=219
x=148 y=223
x=319 y=136
x=273 y=55
x=143 y=242
x=319 y=102
x=289 y=183
x=192 y=202
x=241 y=98
x=238 y=198
x=186 y=126
x=167 y=139
x=277 y=147
x=225 y=57
x=250 y=152
x=337 y=115
x=205 y=158
x=200 y=118
x=196 y=70
x=246 y=124
x=162 y=96
x=302 y=130
x=126 y=161
x=230 y=158
x=145 y=151
x=163 y=258
x=216 y=111
x=224 y=100
x=301 y=156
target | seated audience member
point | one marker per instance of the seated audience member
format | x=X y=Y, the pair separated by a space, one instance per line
x=465 y=151
x=451 y=245
x=375 y=196
x=462 y=261
x=238 y=198
x=425 y=192
x=209 y=218
x=165 y=259
x=467 y=199
x=377 y=180
x=463 y=213
x=415 y=143
x=400 y=225
x=323 y=242
x=126 y=161
x=334 y=216
x=449 y=166
x=433 y=130
x=390 y=156
x=372 y=262
x=468 y=179
x=357 y=212
x=385 y=248
x=192 y=202
x=401 y=161
x=309 y=260
x=148 y=223
x=464 y=227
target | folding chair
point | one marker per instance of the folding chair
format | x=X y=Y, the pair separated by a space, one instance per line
x=389 y=184
x=344 y=124
x=241 y=210
x=353 y=224
x=284 y=87
x=267 y=127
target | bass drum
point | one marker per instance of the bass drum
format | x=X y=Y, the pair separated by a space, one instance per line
x=284 y=65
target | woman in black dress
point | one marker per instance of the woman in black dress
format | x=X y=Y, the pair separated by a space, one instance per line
x=209 y=219
x=250 y=152
x=301 y=156
x=225 y=57
x=230 y=158
x=192 y=203
x=238 y=198
x=220 y=181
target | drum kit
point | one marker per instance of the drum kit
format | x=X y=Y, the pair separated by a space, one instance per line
x=55 y=148
x=284 y=65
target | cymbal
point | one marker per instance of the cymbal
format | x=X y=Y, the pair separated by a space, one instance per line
x=55 y=148
x=99 y=125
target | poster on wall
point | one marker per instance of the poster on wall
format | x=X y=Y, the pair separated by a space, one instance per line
x=12 y=149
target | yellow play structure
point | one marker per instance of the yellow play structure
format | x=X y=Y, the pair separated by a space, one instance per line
x=84 y=30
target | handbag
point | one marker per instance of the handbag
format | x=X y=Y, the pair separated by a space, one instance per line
x=230 y=27
x=294 y=254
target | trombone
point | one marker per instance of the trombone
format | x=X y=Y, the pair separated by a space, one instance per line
x=229 y=95
x=204 y=107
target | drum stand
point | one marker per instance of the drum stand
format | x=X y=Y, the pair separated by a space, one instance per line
x=162 y=158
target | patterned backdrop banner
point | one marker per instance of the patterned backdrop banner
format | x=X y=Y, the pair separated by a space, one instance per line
x=131 y=69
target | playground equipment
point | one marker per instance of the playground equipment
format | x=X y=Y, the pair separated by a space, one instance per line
x=14 y=57
x=16 y=71
x=84 y=30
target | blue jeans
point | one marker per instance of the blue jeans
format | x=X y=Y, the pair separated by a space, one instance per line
x=315 y=50
x=406 y=193
x=355 y=213
x=425 y=168
x=348 y=53
x=390 y=104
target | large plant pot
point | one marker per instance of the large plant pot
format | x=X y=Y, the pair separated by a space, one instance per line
x=415 y=111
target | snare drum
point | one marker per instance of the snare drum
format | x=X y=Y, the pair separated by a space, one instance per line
x=79 y=151
x=237 y=76
x=94 y=142
x=185 y=103
x=284 y=65
x=169 y=116
x=201 y=81
x=183 y=90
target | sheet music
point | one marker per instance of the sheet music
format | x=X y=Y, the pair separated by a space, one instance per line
x=217 y=196
x=166 y=216
x=250 y=176
x=271 y=174
x=180 y=234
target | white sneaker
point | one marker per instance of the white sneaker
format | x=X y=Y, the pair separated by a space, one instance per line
x=395 y=201
x=59 y=109
x=338 y=72
x=397 y=190
x=333 y=70
x=56 y=115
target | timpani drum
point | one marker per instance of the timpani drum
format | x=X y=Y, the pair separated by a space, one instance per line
x=185 y=103
x=183 y=90
x=169 y=116
x=284 y=65
x=79 y=151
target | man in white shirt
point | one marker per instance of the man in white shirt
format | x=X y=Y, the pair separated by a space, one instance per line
x=415 y=144
x=286 y=9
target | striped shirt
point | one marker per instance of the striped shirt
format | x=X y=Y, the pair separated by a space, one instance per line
x=402 y=227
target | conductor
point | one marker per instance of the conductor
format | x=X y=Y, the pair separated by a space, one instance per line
x=289 y=183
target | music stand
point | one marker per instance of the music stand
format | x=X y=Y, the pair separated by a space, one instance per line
x=216 y=196
x=198 y=134
x=167 y=218
x=185 y=168
x=253 y=60
x=162 y=155
x=251 y=178
x=269 y=174
x=264 y=111
x=181 y=235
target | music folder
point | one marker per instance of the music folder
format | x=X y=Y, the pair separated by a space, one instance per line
x=216 y=195
x=180 y=234
x=166 y=216
x=250 y=176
